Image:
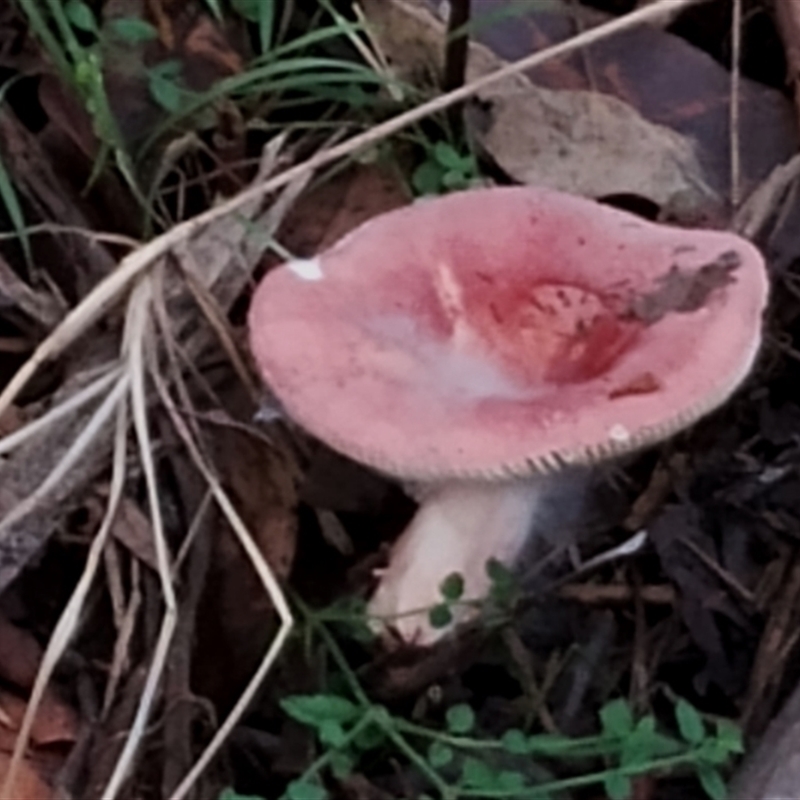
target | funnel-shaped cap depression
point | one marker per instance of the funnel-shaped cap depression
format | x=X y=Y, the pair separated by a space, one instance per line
x=507 y=331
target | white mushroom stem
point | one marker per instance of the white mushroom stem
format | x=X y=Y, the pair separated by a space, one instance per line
x=458 y=528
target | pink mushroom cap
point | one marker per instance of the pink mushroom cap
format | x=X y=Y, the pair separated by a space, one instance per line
x=501 y=332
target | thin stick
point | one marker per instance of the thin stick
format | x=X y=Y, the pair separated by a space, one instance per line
x=114 y=583
x=216 y=318
x=52 y=415
x=108 y=291
x=456 y=49
x=137 y=335
x=82 y=442
x=264 y=573
x=736 y=81
x=127 y=626
x=70 y=617
x=95 y=236
x=191 y=534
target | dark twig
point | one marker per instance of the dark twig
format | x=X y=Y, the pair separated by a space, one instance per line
x=455 y=56
x=179 y=719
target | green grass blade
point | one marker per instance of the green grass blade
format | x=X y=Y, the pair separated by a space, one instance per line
x=266 y=24
x=9 y=197
x=42 y=32
x=305 y=75
x=306 y=40
x=10 y=200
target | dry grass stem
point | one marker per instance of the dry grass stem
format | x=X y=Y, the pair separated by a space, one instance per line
x=57 y=412
x=94 y=236
x=70 y=618
x=127 y=625
x=82 y=442
x=137 y=337
x=218 y=321
x=264 y=573
x=116 y=592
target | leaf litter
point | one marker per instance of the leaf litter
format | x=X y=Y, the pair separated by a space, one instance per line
x=574 y=140
x=720 y=522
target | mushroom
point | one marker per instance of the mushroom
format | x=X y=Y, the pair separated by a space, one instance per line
x=484 y=344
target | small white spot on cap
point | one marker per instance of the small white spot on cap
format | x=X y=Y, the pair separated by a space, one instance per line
x=309 y=269
x=619 y=433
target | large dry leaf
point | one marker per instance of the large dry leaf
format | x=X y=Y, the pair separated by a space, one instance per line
x=668 y=81
x=55 y=723
x=574 y=140
x=591 y=144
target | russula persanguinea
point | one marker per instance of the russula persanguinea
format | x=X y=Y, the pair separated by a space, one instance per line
x=474 y=343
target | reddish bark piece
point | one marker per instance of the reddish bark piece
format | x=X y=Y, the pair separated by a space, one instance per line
x=488 y=336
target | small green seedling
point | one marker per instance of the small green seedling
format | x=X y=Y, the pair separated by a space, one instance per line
x=497 y=607
x=458 y=762
x=445 y=169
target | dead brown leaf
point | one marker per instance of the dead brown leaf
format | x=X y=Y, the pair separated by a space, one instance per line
x=67 y=113
x=574 y=140
x=206 y=53
x=234 y=620
x=80 y=263
x=206 y=41
x=669 y=81
x=589 y=144
x=261 y=480
x=55 y=721
x=327 y=212
x=20 y=655
x=133 y=529
x=683 y=291
x=42 y=309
